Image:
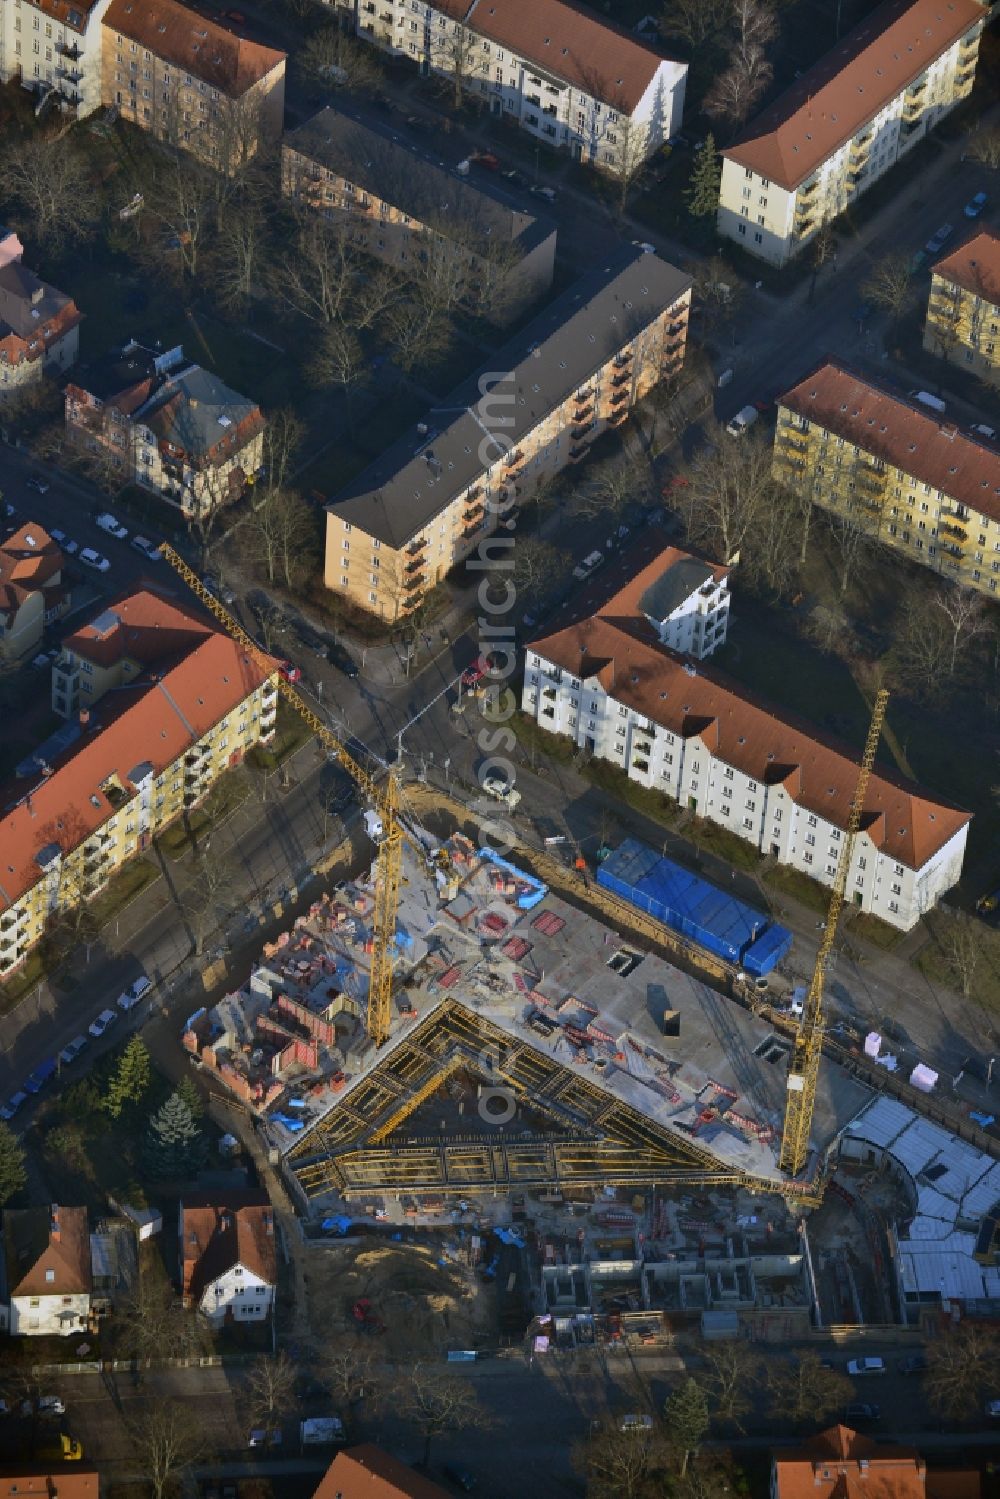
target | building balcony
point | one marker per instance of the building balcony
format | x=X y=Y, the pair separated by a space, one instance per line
x=912 y=110
x=580 y=431
x=953 y=532
x=805 y=222
x=623 y=360
x=618 y=416
x=623 y=378
x=414 y=584
x=70 y=50
x=72 y=74
x=417 y=548
x=805 y=193
x=620 y=395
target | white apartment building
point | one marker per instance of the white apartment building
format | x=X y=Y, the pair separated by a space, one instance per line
x=846 y=122
x=54 y=46
x=608 y=683
x=571 y=80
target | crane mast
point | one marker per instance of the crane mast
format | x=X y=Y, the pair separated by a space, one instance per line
x=384 y=796
x=803 y=1069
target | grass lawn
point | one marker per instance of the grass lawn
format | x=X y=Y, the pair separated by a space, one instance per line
x=719 y=841
x=125 y=886
x=799 y=886
x=879 y=933
x=35 y=966
x=227 y=794
x=557 y=747
x=289 y=735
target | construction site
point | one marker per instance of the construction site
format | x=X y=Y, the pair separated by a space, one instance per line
x=470 y=1072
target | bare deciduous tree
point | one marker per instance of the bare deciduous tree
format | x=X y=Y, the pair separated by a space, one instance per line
x=613 y=487
x=339 y=360
x=968 y=618
x=961 y=944
x=985 y=147
x=49 y=181
x=437 y=1402
x=153 y=1324
x=283 y=437
x=279 y=534
x=169 y=1442
x=268 y=1394
x=417 y=334
x=180 y=201
x=962 y=1367
x=331 y=59
x=889 y=286
x=457 y=52
x=803 y=1390
x=535 y=561
x=318 y=275
x=730 y=1380
x=737 y=89
x=728 y=488
x=617 y=1464
x=693 y=21
x=238 y=262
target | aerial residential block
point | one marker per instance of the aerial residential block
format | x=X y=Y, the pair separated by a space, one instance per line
x=189 y=703
x=608 y=681
x=570 y=79
x=32 y=594
x=408 y=208
x=193 y=82
x=846 y=122
x=573 y=373
x=228 y=1264
x=46 y=1271
x=904 y=474
x=157 y=420
x=963 y=310
x=54 y=48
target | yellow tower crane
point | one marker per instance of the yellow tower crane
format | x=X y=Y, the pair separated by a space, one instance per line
x=384 y=796
x=803 y=1069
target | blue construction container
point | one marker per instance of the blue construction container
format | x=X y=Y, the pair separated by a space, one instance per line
x=764 y=954
x=719 y=922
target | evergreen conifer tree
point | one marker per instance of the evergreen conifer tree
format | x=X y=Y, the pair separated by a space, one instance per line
x=174 y=1145
x=703 y=187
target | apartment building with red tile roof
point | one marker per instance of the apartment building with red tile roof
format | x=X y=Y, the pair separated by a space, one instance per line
x=366 y=1472
x=684 y=728
x=68 y=69
x=39 y=325
x=841 y=1463
x=190 y=702
x=46 y=1270
x=963 y=309
x=573 y=80
x=197 y=83
x=905 y=474
x=846 y=121
x=228 y=1263
x=32 y=594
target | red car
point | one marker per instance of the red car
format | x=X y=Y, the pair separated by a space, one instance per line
x=289 y=672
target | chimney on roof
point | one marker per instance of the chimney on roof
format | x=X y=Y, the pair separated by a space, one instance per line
x=54 y=1224
x=31 y=810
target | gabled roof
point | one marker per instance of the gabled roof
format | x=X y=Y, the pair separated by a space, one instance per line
x=418 y=477
x=39 y=1242
x=195 y=411
x=572 y=44
x=154 y=719
x=975 y=266
x=841 y=1464
x=836 y=97
x=142 y=627
x=29 y=558
x=366 y=1472
x=374 y=157
x=617 y=646
x=27 y=302
x=189 y=40
x=220 y=1232
x=909 y=436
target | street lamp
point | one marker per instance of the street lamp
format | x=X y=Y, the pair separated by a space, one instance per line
x=989 y=1072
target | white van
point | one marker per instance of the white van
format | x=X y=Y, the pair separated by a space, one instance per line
x=742 y=421
x=926 y=399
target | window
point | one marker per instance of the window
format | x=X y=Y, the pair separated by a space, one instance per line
x=807 y=857
x=724 y=810
x=729 y=773
x=812 y=821
x=758 y=238
x=741 y=228
x=897 y=889
x=748 y=823
x=894 y=905
x=811 y=840
x=50 y=1276
x=751 y=806
x=777 y=814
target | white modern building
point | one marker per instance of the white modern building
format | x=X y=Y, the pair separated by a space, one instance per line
x=46 y=1271
x=844 y=123
x=229 y=1267
x=54 y=46
x=571 y=80
x=677 y=725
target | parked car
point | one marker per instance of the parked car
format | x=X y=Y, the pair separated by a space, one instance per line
x=589 y=565
x=134 y=992
x=45 y=1405
x=741 y=423
x=41 y=1075
x=975 y=206
x=993 y=1409
x=15 y=1101
x=858 y=1366
x=501 y=790
x=99 y=1026
x=938 y=241
x=980 y=429
x=915 y=1364
x=148 y=548
x=289 y=672
x=93 y=559
x=69 y=1053
x=112 y=525
x=543 y=192
x=644 y=246
x=861 y=1414
x=38 y=484
x=66 y=543
x=635 y=1423
x=265 y=1436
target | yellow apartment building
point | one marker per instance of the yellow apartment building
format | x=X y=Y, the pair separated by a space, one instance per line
x=425 y=504
x=410 y=209
x=192 y=82
x=188 y=704
x=963 y=310
x=900 y=472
